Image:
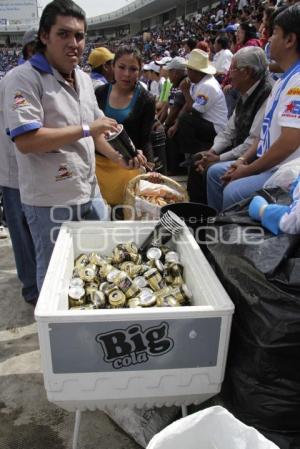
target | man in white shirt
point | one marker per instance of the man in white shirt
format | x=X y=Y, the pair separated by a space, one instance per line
x=223 y=57
x=205 y=113
x=154 y=77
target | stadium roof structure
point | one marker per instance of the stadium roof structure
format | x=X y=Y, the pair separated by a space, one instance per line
x=134 y=12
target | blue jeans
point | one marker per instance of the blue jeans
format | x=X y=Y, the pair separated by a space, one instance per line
x=21 y=242
x=45 y=222
x=221 y=197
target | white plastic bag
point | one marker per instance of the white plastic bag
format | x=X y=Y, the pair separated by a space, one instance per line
x=142 y=423
x=285 y=175
x=212 y=428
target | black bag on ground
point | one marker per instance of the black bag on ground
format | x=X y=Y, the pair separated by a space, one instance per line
x=261 y=274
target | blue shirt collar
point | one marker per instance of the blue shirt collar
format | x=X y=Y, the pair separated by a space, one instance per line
x=39 y=62
x=97 y=76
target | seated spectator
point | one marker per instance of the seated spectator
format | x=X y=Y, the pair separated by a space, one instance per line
x=222 y=58
x=189 y=45
x=280 y=133
x=100 y=59
x=246 y=36
x=204 y=113
x=155 y=79
x=249 y=75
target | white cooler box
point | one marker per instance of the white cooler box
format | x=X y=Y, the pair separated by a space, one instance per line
x=142 y=357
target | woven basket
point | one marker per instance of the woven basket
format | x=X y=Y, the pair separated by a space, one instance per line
x=130 y=193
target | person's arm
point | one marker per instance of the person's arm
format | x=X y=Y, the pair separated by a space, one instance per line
x=163 y=113
x=241 y=163
x=254 y=134
x=172 y=115
x=45 y=140
x=283 y=147
x=173 y=129
x=224 y=138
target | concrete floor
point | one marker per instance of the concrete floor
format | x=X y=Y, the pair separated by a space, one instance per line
x=27 y=419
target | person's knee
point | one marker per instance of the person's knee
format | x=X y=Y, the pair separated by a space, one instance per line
x=231 y=195
x=213 y=172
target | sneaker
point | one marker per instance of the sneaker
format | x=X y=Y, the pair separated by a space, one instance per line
x=3 y=233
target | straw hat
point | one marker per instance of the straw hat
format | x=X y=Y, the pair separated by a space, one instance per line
x=198 y=60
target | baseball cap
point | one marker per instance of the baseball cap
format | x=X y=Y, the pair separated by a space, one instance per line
x=154 y=67
x=164 y=61
x=177 y=63
x=29 y=37
x=100 y=56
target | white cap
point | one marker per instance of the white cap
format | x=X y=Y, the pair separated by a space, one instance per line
x=154 y=67
x=164 y=61
x=177 y=63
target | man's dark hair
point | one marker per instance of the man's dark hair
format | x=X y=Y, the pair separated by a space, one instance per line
x=289 y=21
x=223 y=41
x=54 y=9
x=191 y=43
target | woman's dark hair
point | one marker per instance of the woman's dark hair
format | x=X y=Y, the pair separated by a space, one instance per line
x=129 y=50
x=289 y=21
x=54 y=9
x=250 y=31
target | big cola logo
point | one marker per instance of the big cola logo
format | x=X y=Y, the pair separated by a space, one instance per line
x=132 y=346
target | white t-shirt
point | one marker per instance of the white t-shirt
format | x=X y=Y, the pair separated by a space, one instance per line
x=210 y=101
x=154 y=88
x=222 y=60
x=286 y=113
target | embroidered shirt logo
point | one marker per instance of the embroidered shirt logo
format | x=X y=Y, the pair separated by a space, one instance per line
x=292 y=109
x=202 y=100
x=20 y=101
x=294 y=91
x=63 y=173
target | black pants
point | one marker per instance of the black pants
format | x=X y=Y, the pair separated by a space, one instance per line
x=196 y=186
x=174 y=158
x=194 y=133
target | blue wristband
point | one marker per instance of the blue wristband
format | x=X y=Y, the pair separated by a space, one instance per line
x=86 y=130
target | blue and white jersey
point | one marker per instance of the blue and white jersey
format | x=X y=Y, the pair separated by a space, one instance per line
x=282 y=110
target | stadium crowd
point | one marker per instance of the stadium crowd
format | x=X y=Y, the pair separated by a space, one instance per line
x=201 y=86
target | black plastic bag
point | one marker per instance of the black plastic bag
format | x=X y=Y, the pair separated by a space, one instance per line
x=261 y=274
